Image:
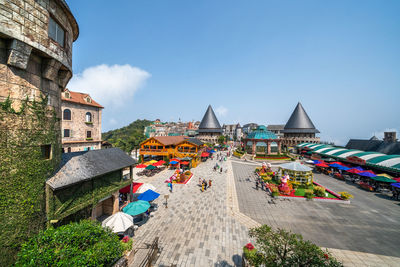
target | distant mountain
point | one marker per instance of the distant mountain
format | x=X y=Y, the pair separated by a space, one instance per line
x=129 y=137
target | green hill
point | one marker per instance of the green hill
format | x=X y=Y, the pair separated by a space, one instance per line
x=129 y=137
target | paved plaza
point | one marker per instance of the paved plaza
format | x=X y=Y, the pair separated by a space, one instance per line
x=210 y=228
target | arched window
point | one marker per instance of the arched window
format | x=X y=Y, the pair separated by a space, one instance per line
x=67 y=114
x=88 y=117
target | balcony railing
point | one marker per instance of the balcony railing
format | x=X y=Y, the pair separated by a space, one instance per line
x=153 y=150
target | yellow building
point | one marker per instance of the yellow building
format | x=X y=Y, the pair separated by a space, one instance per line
x=170 y=147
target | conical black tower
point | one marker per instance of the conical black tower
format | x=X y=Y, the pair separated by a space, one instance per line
x=299 y=122
x=209 y=123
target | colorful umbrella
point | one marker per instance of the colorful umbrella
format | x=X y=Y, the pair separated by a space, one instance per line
x=145 y=187
x=141 y=166
x=353 y=170
x=317 y=161
x=136 y=208
x=323 y=165
x=359 y=168
x=149 y=195
x=383 y=179
x=343 y=168
x=151 y=167
x=152 y=161
x=335 y=165
x=368 y=174
x=173 y=162
x=184 y=162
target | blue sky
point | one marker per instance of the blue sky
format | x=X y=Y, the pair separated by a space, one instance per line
x=251 y=60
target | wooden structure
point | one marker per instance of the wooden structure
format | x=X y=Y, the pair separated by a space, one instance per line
x=170 y=147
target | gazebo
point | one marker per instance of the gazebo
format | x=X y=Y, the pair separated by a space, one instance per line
x=262 y=141
x=297 y=172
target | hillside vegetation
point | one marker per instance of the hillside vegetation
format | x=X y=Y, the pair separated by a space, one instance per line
x=129 y=137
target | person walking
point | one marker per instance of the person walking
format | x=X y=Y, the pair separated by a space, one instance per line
x=205 y=184
x=209 y=183
x=257 y=184
x=262 y=185
x=170 y=187
x=221 y=170
x=199 y=181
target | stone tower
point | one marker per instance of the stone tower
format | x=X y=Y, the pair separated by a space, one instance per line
x=299 y=128
x=36 y=39
x=209 y=128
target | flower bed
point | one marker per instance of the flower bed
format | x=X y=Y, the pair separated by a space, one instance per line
x=272 y=158
x=187 y=179
x=301 y=192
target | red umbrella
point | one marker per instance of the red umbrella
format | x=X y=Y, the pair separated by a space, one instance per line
x=355 y=171
x=322 y=164
x=127 y=188
x=397 y=179
x=336 y=162
x=161 y=162
x=141 y=166
x=205 y=154
x=184 y=162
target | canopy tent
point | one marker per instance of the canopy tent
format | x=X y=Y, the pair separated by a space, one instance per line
x=178 y=160
x=310 y=161
x=383 y=179
x=118 y=222
x=149 y=195
x=141 y=166
x=359 y=168
x=385 y=175
x=127 y=188
x=295 y=166
x=317 y=161
x=151 y=167
x=397 y=179
x=136 y=208
x=159 y=163
x=144 y=187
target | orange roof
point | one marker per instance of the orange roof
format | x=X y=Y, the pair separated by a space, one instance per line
x=80 y=98
x=169 y=140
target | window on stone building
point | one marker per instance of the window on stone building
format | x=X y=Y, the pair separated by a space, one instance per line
x=69 y=150
x=67 y=114
x=88 y=117
x=56 y=32
x=89 y=134
x=67 y=132
x=46 y=151
x=66 y=94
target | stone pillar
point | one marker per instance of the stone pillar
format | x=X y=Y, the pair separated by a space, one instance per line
x=254 y=148
x=268 y=147
x=279 y=147
x=115 y=198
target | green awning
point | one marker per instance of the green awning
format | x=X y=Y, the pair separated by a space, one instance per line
x=383 y=179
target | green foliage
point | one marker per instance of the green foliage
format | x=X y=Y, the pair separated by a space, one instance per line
x=77 y=244
x=23 y=170
x=319 y=191
x=221 y=139
x=128 y=245
x=250 y=255
x=283 y=248
x=309 y=193
x=129 y=137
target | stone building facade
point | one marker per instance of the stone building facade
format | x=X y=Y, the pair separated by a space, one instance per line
x=233 y=132
x=36 y=39
x=81 y=122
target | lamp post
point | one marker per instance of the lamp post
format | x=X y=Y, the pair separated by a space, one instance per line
x=166 y=201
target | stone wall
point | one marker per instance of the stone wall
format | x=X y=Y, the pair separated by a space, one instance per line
x=79 y=127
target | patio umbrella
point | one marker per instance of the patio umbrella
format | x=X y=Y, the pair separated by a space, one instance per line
x=317 y=161
x=149 y=195
x=368 y=174
x=159 y=163
x=136 y=208
x=153 y=161
x=118 y=222
x=353 y=170
x=359 y=168
x=145 y=187
x=141 y=166
x=383 y=179
x=151 y=167
x=336 y=162
x=310 y=161
x=335 y=165
x=343 y=168
x=396 y=185
x=184 y=162
x=173 y=162
x=397 y=179
x=323 y=165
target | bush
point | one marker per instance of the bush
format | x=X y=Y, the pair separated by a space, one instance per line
x=250 y=254
x=283 y=248
x=308 y=193
x=274 y=190
x=345 y=195
x=319 y=191
x=77 y=244
x=127 y=243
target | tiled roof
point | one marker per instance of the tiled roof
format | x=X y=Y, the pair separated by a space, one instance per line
x=261 y=133
x=299 y=122
x=80 y=98
x=209 y=123
x=169 y=140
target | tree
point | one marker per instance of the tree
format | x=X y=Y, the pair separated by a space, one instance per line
x=221 y=139
x=283 y=248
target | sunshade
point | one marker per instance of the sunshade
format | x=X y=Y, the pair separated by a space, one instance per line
x=149 y=195
x=118 y=222
x=295 y=166
x=353 y=170
x=383 y=179
x=184 y=162
x=145 y=187
x=343 y=168
x=157 y=164
x=396 y=185
x=336 y=162
x=147 y=163
x=137 y=207
x=359 y=168
x=205 y=154
x=317 y=161
x=151 y=167
x=335 y=165
x=212 y=151
x=397 y=179
x=310 y=161
x=152 y=161
x=161 y=162
x=127 y=188
x=173 y=162
x=386 y=175
x=141 y=166
x=323 y=165
x=178 y=160
x=368 y=174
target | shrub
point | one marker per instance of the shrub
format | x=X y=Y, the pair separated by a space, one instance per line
x=283 y=248
x=250 y=254
x=77 y=244
x=127 y=243
x=319 y=191
x=345 y=195
x=308 y=193
x=274 y=190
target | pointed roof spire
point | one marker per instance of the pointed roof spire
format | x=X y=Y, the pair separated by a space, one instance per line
x=209 y=123
x=299 y=122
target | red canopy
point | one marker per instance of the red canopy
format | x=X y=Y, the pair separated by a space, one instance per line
x=174 y=160
x=161 y=162
x=205 y=154
x=354 y=171
x=127 y=188
x=184 y=162
x=324 y=165
x=141 y=166
x=397 y=179
x=337 y=162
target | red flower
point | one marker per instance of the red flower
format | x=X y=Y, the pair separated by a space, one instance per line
x=125 y=239
x=326 y=256
x=250 y=246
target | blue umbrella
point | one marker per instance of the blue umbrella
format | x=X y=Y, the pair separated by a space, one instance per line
x=149 y=195
x=212 y=151
x=335 y=165
x=343 y=168
x=396 y=185
x=359 y=168
x=367 y=174
x=136 y=208
x=317 y=161
x=173 y=162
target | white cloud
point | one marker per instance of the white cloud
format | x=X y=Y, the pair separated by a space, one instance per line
x=221 y=111
x=109 y=85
